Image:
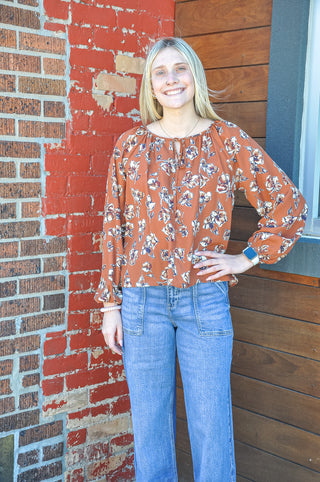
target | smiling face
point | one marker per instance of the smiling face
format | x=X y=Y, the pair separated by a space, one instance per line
x=172 y=80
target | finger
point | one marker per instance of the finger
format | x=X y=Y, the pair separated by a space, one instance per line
x=207 y=262
x=218 y=275
x=120 y=335
x=211 y=254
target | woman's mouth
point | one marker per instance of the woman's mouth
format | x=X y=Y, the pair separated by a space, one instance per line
x=173 y=92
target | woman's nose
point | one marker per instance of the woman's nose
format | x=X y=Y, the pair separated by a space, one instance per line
x=171 y=78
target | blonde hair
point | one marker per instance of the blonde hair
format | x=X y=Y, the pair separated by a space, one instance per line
x=150 y=109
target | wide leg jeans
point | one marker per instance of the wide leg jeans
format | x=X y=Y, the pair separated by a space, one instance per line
x=195 y=323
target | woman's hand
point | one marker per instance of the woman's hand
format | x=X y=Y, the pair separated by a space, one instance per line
x=219 y=264
x=112 y=330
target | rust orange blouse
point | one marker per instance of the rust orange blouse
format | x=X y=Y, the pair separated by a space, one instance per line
x=163 y=204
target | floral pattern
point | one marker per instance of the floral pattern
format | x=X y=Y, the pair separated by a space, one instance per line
x=163 y=204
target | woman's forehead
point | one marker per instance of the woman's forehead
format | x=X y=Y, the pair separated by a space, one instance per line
x=168 y=55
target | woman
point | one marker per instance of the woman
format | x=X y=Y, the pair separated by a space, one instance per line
x=167 y=224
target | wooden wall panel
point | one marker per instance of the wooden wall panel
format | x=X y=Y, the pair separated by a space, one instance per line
x=232 y=49
x=276 y=316
x=254 y=464
x=203 y=16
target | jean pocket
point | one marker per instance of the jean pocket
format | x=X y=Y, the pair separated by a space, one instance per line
x=212 y=309
x=132 y=310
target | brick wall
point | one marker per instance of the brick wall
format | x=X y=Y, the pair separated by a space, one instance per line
x=69 y=81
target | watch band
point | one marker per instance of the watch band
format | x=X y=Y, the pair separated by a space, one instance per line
x=251 y=254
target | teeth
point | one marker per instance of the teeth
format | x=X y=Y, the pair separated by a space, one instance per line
x=174 y=92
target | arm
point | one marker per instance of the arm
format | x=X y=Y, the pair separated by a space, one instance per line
x=280 y=204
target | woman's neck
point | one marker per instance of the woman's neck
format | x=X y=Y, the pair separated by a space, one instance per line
x=179 y=123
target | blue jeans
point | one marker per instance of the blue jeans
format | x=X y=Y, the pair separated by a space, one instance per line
x=194 y=322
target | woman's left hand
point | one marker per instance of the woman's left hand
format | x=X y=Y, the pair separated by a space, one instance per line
x=218 y=265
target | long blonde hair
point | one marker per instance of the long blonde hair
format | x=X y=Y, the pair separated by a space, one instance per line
x=150 y=109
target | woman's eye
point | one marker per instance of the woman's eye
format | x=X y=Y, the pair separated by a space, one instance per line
x=159 y=72
x=181 y=68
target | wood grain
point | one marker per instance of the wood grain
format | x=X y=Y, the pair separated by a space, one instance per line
x=277 y=332
x=250 y=116
x=276 y=402
x=282 y=369
x=239 y=84
x=233 y=48
x=277 y=438
x=207 y=16
x=260 y=466
x=277 y=297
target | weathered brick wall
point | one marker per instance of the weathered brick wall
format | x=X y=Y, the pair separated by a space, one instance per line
x=69 y=81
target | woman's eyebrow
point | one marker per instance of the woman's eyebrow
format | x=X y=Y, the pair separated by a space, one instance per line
x=163 y=66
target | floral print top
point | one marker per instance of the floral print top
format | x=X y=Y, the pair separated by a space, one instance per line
x=168 y=198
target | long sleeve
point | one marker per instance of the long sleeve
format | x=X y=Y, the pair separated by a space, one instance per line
x=109 y=289
x=281 y=206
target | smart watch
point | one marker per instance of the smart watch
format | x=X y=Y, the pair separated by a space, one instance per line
x=251 y=255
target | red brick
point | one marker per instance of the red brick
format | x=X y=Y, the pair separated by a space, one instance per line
x=41 y=432
x=55 y=346
x=41 y=473
x=62 y=163
x=53 y=451
x=20 y=62
x=68 y=204
x=84 y=281
x=28 y=458
x=16 y=190
x=37 y=85
x=7 y=289
x=35 y=247
x=13 y=105
x=31 y=380
x=52 y=386
x=56 y=185
x=7 y=405
x=56 y=263
x=5 y=388
x=139 y=23
x=8 y=211
x=80 y=122
x=56 y=9
x=7 y=83
x=56 y=226
x=81 y=301
x=19 y=420
x=99 y=450
x=78 y=321
x=42 y=129
x=18 y=307
x=79 y=35
x=53 y=109
x=40 y=284
x=19 y=149
x=76 y=475
x=122 y=440
x=28 y=400
x=41 y=322
x=121 y=405
x=54 y=27
x=31 y=3
x=30 y=170
x=80 y=341
x=84 y=262
x=64 y=364
x=9 y=250
x=30 y=209
x=77 y=437
x=7 y=127
x=7 y=38
x=19 y=17
x=89 y=14
x=108 y=390
x=41 y=43
x=92 y=58
x=6 y=367
x=54 y=66
x=85 y=378
x=19 y=229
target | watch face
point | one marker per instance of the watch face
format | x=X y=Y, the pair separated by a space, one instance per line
x=250 y=253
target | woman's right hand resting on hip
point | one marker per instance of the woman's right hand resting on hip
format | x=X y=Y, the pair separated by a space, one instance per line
x=112 y=330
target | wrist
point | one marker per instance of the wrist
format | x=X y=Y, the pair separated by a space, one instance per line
x=251 y=255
